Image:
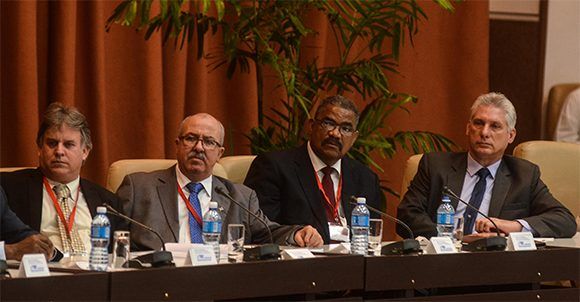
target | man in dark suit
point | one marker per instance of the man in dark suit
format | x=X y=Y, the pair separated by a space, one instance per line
x=173 y=201
x=510 y=189
x=19 y=238
x=53 y=199
x=313 y=184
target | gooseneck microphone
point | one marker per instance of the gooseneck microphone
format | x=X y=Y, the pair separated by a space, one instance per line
x=261 y=252
x=497 y=243
x=406 y=246
x=156 y=258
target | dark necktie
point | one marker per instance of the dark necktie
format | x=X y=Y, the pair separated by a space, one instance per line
x=328 y=186
x=194 y=227
x=476 y=197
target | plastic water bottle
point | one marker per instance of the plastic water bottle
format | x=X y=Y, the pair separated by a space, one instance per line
x=100 y=235
x=445 y=214
x=212 y=228
x=360 y=227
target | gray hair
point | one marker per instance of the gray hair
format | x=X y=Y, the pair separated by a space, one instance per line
x=342 y=102
x=222 y=131
x=57 y=115
x=500 y=101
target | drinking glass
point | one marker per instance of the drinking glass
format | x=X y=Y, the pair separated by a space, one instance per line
x=121 y=249
x=458 y=224
x=375 y=236
x=236 y=242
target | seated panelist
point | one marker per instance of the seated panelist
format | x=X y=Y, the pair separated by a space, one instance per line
x=173 y=201
x=53 y=199
x=507 y=189
x=19 y=239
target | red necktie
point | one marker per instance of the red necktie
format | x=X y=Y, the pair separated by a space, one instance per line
x=328 y=187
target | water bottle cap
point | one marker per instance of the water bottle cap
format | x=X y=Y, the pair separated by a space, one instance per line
x=213 y=204
x=361 y=200
x=446 y=198
x=101 y=210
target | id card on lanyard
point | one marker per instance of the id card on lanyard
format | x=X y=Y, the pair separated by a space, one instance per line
x=338 y=229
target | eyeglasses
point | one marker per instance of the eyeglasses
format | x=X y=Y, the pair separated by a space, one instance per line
x=330 y=125
x=208 y=143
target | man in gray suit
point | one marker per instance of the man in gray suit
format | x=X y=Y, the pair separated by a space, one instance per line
x=507 y=189
x=173 y=201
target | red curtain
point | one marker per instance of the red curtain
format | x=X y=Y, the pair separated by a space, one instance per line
x=135 y=92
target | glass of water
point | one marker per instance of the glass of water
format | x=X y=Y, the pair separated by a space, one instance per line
x=375 y=236
x=236 y=242
x=121 y=249
x=458 y=224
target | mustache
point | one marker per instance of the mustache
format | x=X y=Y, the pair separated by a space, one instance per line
x=195 y=154
x=332 y=140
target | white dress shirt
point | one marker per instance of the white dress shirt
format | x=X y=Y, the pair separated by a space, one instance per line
x=83 y=218
x=204 y=197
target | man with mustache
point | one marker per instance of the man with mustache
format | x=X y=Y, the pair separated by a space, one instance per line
x=313 y=184
x=507 y=189
x=53 y=199
x=173 y=201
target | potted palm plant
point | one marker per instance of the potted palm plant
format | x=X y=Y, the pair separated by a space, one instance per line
x=270 y=34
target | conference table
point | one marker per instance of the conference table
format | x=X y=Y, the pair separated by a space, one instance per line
x=508 y=275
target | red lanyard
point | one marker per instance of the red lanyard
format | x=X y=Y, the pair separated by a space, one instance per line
x=334 y=205
x=189 y=207
x=71 y=218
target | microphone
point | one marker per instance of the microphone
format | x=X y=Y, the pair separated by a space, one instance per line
x=406 y=246
x=261 y=252
x=497 y=243
x=156 y=258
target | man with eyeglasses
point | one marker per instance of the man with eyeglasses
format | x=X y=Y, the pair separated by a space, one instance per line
x=313 y=184
x=173 y=201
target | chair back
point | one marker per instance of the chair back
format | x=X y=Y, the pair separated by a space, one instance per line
x=556 y=98
x=237 y=166
x=411 y=167
x=119 y=169
x=559 y=164
x=12 y=169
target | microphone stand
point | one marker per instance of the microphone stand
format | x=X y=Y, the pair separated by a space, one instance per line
x=402 y=247
x=497 y=243
x=156 y=258
x=260 y=252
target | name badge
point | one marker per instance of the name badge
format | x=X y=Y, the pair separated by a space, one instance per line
x=33 y=265
x=441 y=245
x=338 y=232
x=297 y=254
x=200 y=254
x=521 y=241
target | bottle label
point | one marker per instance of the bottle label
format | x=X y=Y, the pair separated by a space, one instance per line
x=100 y=232
x=212 y=226
x=360 y=221
x=444 y=218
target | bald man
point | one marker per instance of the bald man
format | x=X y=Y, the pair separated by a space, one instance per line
x=173 y=201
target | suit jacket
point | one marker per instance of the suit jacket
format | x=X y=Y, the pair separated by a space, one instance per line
x=24 y=191
x=151 y=198
x=288 y=192
x=518 y=193
x=12 y=229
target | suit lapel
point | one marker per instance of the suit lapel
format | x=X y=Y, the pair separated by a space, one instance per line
x=35 y=198
x=456 y=175
x=167 y=192
x=348 y=187
x=305 y=173
x=91 y=197
x=224 y=204
x=501 y=185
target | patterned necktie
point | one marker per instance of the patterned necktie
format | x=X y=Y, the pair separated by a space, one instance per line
x=71 y=244
x=328 y=186
x=476 y=197
x=194 y=227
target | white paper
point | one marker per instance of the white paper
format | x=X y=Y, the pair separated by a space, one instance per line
x=33 y=265
x=297 y=254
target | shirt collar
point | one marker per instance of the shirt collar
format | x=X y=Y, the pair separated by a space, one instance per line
x=182 y=181
x=317 y=163
x=72 y=186
x=473 y=166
